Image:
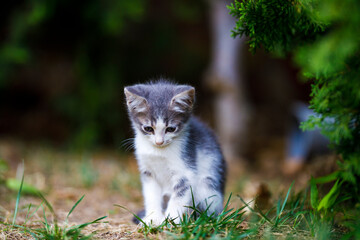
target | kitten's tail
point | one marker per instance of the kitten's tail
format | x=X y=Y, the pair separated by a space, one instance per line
x=140 y=214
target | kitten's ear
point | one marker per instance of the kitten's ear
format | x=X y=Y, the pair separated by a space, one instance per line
x=184 y=101
x=135 y=102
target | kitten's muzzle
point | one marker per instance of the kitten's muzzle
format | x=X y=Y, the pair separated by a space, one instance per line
x=159 y=143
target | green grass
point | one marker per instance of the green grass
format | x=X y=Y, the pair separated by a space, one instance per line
x=47 y=229
x=200 y=224
x=291 y=218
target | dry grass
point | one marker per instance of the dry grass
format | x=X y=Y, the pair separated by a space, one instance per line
x=107 y=178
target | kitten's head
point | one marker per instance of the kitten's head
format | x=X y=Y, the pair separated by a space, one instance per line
x=160 y=110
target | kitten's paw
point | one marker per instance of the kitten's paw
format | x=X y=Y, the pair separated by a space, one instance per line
x=174 y=216
x=175 y=220
x=154 y=219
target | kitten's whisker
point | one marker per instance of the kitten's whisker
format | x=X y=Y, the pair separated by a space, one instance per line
x=130 y=147
x=128 y=139
x=128 y=144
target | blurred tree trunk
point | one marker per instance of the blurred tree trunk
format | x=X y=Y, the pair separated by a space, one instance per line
x=225 y=78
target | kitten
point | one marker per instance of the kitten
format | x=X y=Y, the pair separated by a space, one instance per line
x=176 y=153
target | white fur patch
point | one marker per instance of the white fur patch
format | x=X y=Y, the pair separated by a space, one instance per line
x=159 y=131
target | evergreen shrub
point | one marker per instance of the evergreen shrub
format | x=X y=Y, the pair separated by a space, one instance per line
x=323 y=37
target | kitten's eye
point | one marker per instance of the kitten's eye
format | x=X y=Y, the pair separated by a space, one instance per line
x=170 y=129
x=148 y=129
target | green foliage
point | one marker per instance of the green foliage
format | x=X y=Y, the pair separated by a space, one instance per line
x=104 y=45
x=276 y=25
x=95 y=37
x=323 y=37
x=14 y=49
x=352 y=221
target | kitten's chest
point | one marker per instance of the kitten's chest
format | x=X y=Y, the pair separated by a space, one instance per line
x=162 y=168
x=162 y=163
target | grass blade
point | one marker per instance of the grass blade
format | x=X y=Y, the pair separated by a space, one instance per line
x=34 y=212
x=28 y=211
x=227 y=202
x=314 y=194
x=45 y=218
x=136 y=216
x=47 y=204
x=252 y=210
x=72 y=209
x=329 y=199
x=286 y=198
x=18 y=198
x=80 y=226
x=328 y=178
x=279 y=213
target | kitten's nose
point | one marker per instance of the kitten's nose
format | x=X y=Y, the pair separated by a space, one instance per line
x=159 y=143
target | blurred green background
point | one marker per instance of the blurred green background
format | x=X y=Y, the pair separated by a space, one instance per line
x=63 y=66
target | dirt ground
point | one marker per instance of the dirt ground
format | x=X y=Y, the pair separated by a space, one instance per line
x=109 y=177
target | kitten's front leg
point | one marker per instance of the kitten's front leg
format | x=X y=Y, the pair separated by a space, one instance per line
x=152 y=199
x=179 y=199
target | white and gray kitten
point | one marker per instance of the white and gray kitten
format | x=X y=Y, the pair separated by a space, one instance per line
x=176 y=153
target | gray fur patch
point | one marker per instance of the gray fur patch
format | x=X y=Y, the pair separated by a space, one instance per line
x=164 y=202
x=212 y=183
x=181 y=187
x=157 y=100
